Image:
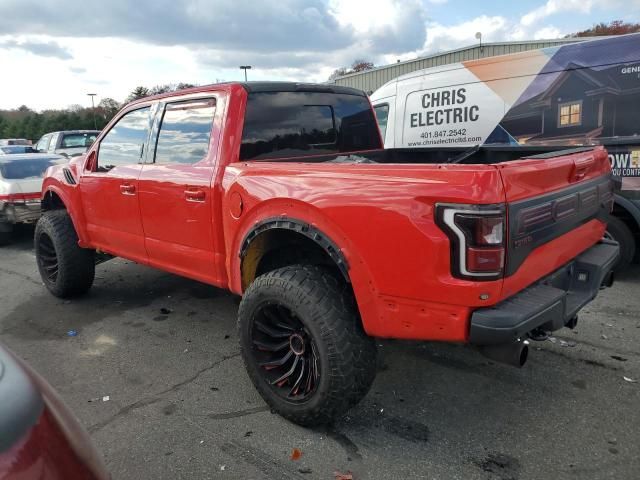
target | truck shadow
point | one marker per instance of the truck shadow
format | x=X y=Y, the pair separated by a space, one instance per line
x=22 y=238
x=120 y=288
x=431 y=396
x=427 y=396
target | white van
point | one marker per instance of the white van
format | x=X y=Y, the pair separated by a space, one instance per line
x=584 y=93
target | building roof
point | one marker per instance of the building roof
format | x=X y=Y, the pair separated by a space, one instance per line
x=558 y=41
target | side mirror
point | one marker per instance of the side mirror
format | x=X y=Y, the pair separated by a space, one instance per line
x=91 y=165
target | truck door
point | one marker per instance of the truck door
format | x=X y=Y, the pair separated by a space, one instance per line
x=109 y=186
x=176 y=192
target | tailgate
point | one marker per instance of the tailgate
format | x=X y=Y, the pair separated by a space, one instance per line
x=557 y=206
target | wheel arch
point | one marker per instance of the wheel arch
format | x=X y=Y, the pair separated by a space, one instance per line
x=55 y=198
x=281 y=241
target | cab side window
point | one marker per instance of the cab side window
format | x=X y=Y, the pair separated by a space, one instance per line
x=382 y=115
x=125 y=142
x=185 y=131
x=53 y=143
x=43 y=143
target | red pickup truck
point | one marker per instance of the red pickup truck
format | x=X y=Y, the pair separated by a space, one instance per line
x=282 y=193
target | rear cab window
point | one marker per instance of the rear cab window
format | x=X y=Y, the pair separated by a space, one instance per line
x=299 y=124
x=382 y=116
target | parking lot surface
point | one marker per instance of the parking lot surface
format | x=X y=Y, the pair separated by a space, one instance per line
x=164 y=350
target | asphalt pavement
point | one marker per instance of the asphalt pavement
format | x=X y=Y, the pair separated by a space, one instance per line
x=164 y=350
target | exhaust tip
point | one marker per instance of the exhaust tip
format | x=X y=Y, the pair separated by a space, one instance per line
x=514 y=354
x=524 y=355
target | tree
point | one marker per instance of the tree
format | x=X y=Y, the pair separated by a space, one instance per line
x=24 y=122
x=616 y=27
x=137 y=93
x=109 y=107
x=361 y=65
x=338 y=72
x=158 y=89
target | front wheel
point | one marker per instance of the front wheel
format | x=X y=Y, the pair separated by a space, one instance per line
x=303 y=345
x=66 y=269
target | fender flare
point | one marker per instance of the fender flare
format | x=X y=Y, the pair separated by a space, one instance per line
x=303 y=228
x=73 y=213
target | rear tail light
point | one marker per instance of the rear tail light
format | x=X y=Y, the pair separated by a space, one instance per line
x=20 y=198
x=477 y=235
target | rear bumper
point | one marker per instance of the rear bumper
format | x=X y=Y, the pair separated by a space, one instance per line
x=551 y=303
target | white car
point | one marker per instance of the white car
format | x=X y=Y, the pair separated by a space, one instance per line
x=20 y=186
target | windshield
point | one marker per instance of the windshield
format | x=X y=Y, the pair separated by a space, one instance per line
x=78 y=140
x=25 y=168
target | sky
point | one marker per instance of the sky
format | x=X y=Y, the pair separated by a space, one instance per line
x=54 y=52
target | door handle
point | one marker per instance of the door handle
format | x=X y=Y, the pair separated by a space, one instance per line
x=127 y=189
x=194 y=195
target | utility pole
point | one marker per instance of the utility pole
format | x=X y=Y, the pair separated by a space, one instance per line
x=93 y=110
x=245 y=68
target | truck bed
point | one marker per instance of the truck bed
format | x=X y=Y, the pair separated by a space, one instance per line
x=483 y=155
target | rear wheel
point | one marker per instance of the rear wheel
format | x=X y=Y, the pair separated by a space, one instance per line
x=619 y=231
x=303 y=344
x=66 y=269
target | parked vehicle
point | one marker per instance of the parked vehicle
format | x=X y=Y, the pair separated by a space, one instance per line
x=20 y=189
x=40 y=439
x=584 y=93
x=68 y=143
x=283 y=194
x=9 y=149
x=14 y=141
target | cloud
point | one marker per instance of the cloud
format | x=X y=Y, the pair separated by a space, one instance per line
x=42 y=49
x=77 y=70
x=547 y=33
x=447 y=37
x=556 y=6
x=553 y=7
x=405 y=31
x=282 y=25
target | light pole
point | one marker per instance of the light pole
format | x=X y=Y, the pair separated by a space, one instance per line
x=479 y=37
x=245 y=68
x=93 y=110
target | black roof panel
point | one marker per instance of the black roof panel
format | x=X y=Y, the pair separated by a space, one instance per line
x=254 y=87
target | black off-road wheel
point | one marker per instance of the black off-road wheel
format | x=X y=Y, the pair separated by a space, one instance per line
x=66 y=269
x=619 y=231
x=303 y=344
